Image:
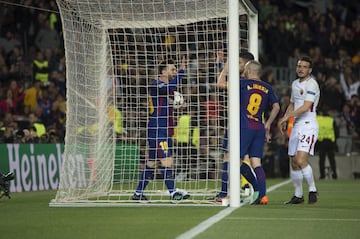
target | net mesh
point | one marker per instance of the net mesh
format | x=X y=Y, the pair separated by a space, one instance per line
x=112 y=53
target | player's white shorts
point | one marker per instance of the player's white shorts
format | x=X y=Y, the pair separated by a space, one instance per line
x=303 y=138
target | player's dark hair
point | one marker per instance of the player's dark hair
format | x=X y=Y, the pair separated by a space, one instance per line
x=307 y=59
x=163 y=64
x=247 y=56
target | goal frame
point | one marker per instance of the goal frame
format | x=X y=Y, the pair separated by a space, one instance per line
x=234 y=13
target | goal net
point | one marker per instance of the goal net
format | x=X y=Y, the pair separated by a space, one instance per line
x=113 y=49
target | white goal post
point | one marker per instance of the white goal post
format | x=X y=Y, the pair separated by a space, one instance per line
x=112 y=51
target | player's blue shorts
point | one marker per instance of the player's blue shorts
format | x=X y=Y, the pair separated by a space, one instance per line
x=160 y=145
x=251 y=142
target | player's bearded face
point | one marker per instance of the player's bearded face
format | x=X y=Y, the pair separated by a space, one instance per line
x=303 y=69
x=172 y=71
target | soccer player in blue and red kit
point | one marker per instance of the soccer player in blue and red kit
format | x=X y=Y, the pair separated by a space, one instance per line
x=160 y=129
x=255 y=97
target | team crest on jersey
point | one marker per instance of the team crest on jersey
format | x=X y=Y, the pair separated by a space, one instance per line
x=301 y=91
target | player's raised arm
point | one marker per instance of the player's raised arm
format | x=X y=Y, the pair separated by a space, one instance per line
x=221 y=81
x=174 y=75
x=222 y=69
x=183 y=65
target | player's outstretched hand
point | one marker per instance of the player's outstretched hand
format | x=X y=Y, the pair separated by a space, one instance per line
x=183 y=63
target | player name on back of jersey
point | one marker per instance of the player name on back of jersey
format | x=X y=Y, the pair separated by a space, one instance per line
x=258 y=87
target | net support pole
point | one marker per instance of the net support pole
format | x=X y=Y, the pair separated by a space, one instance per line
x=234 y=100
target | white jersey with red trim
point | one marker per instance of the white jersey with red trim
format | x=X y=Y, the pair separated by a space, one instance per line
x=307 y=90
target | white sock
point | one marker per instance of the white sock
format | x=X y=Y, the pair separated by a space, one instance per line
x=297 y=178
x=309 y=178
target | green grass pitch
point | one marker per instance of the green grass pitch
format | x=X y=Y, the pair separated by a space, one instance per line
x=336 y=215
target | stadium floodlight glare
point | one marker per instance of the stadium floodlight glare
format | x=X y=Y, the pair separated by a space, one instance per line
x=112 y=51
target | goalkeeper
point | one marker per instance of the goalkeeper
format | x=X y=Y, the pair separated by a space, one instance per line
x=160 y=129
x=5 y=184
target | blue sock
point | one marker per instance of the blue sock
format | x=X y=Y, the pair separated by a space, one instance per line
x=145 y=175
x=168 y=177
x=260 y=174
x=246 y=171
x=224 y=180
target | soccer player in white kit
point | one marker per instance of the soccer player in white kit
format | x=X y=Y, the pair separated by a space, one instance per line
x=305 y=94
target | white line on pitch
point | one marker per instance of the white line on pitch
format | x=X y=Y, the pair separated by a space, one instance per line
x=207 y=223
x=294 y=219
x=222 y=214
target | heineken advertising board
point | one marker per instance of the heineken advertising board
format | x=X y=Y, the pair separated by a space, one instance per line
x=37 y=166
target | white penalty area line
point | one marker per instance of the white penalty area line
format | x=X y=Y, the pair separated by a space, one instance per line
x=218 y=217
